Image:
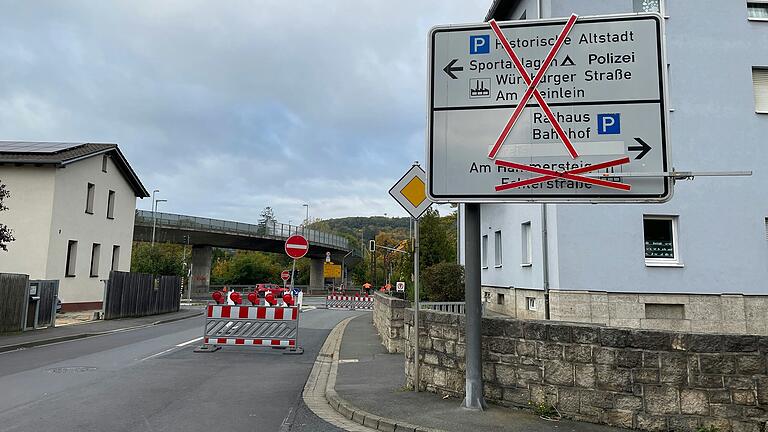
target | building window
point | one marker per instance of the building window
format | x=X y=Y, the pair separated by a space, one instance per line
x=766 y=228
x=115 y=257
x=89 y=198
x=485 y=251
x=500 y=299
x=104 y=162
x=530 y=303
x=111 y=205
x=71 y=259
x=760 y=84
x=95 y=253
x=660 y=233
x=757 y=11
x=647 y=6
x=497 y=245
x=525 y=239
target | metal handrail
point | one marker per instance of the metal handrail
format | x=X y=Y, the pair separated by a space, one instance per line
x=450 y=307
x=273 y=229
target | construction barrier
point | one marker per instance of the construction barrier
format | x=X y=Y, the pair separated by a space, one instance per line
x=262 y=326
x=334 y=301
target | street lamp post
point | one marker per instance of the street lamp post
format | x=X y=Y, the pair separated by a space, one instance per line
x=153 y=215
x=154 y=219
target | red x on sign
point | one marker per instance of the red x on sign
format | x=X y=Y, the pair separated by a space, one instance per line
x=569 y=175
x=532 y=91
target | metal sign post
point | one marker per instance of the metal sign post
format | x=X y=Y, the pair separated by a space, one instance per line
x=410 y=193
x=296 y=246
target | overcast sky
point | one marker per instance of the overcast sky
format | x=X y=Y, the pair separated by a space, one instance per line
x=231 y=106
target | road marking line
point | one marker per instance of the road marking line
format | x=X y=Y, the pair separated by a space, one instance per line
x=348 y=361
x=189 y=342
x=160 y=353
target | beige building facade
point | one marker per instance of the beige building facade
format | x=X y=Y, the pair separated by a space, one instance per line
x=71 y=210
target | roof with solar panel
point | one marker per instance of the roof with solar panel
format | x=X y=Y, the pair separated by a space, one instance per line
x=60 y=154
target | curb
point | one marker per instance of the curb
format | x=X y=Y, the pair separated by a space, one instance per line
x=358 y=415
x=53 y=340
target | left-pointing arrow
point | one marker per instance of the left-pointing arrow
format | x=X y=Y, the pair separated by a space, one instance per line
x=450 y=69
x=643 y=148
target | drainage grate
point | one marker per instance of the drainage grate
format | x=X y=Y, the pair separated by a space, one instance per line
x=72 y=369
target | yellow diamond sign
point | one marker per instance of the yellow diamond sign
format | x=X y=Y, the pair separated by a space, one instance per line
x=414 y=191
x=410 y=191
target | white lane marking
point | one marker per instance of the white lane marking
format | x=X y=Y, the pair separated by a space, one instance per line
x=189 y=342
x=348 y=361
x=160 y=353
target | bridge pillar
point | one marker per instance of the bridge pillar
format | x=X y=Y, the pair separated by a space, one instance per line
x=200 y=282
x=316 y=280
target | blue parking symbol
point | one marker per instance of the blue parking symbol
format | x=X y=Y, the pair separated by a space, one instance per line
x=480 y=44
x=609 y=124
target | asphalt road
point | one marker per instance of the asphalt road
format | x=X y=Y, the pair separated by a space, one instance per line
x=150 y=379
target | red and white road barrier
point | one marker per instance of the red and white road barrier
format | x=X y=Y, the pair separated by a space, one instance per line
x=251 y=325
x=349 y=302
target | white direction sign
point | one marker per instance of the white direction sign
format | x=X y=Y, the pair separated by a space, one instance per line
x=410 y=192
x=550 y=111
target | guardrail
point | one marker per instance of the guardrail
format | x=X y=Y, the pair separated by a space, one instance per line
x=450 y=307
x=272 y=229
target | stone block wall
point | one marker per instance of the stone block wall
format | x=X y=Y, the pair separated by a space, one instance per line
x=643 y=379
x=699 y=313
x=388 y=315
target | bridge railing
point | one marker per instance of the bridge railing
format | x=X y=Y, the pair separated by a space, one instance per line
x=272 y=228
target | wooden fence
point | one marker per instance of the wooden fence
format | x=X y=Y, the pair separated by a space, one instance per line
x=140 y=294
x=13 y=301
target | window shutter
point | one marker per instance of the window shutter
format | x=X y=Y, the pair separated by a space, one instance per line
x=760 y=82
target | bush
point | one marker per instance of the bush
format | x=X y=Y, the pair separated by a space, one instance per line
x=443 y=282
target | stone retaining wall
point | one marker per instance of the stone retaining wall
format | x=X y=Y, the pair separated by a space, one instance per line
x=645 y=379
x=388 y=315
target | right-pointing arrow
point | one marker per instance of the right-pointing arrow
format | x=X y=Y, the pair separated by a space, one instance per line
x=643 y=148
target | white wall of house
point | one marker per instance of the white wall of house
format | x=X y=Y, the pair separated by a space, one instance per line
x=47 y=210
x=29 y=215
x=71 y=222
x=713 y=126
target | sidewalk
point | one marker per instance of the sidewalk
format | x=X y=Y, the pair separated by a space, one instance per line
x=371 y=380
x=90 y=328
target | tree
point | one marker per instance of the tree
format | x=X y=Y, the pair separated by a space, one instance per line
x=266 y=219
x=435 y=241
x=164 y=259
x=443 y=282
x=6 y=234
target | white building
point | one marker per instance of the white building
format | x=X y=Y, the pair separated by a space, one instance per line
x=71 y=210
x=698 y=262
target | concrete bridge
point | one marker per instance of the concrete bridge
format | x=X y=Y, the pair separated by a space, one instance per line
x=203 y=234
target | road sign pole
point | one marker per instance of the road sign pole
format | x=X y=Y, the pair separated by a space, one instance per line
x=416 y=305
x=474 y=399
x=293 y=270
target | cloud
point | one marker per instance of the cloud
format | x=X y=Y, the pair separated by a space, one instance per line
x=228 y=107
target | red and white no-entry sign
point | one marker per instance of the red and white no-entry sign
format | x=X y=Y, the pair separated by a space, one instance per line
x=285 y=275
x=296 y=246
